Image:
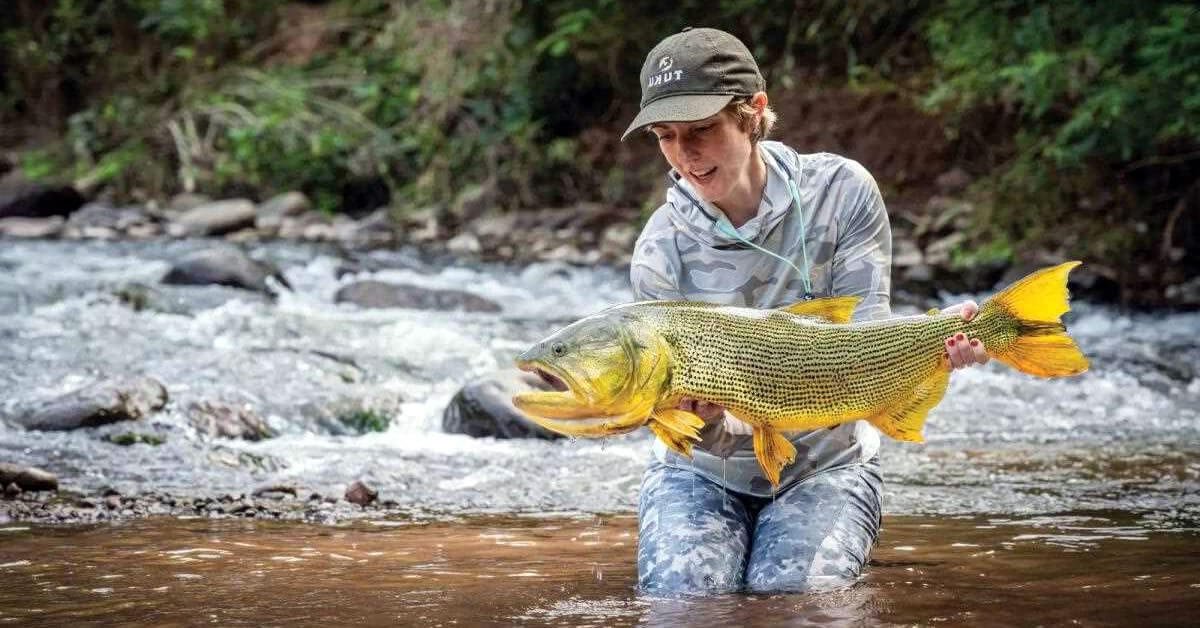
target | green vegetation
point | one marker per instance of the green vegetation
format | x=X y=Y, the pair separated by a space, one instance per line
x=1079 y=121
x=132 y=438
x=363 y=421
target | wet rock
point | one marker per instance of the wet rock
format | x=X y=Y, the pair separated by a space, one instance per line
x=271 y=213
x=28 y=478
x=214 y=218
x=227 y=421
x=12 y=490
x=19 y=227
x=106 y=402
x=127 y=439
x=361 y=494
x=483 y=407
x=113 y=502
x=381 y=294
x=226 y=266
x=21 y=197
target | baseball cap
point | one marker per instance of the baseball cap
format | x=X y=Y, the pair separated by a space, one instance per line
x=692 y=75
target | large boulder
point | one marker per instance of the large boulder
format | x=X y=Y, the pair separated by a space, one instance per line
x=381 y=294
x=126 y=399
x=484 y=407
x=223 y=265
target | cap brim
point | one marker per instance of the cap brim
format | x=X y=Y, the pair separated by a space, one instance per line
x=682 y=108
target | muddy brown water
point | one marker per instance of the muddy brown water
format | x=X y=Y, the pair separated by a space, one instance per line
x=1086 y=569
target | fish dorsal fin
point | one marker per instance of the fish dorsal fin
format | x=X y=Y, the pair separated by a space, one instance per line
x=832 y=309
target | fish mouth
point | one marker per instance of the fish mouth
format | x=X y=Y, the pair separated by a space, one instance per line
x=555 y=382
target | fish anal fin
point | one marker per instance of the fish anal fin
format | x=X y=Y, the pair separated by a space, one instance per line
x=906 y=420
x=774 y=452
x=831 y=309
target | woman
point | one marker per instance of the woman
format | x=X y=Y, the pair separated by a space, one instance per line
x=750 y=222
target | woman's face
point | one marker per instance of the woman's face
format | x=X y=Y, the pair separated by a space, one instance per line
x=713 y=154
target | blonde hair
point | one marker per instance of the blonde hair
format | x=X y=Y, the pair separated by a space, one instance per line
x=743 y=113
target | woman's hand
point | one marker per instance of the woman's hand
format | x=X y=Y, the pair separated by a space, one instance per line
x=963 y=351
x=710 y=412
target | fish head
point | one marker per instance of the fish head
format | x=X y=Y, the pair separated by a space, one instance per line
x=604 y=374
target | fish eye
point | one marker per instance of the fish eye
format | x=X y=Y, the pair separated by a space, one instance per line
x=559 y=349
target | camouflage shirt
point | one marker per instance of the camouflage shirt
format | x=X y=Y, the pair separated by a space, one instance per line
x=680 y=255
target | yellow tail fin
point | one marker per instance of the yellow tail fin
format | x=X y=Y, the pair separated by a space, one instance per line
x=1042 y=346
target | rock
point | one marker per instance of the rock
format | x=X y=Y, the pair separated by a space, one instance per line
x=20 y=227
x=96 y=216
x=473 y=202
x=361 y=494
x=21 y=197
x=186 y=201
x=214 y=218
x=113 y=502
x=274 y=491
x=906 y=254
x=227 y=421
x=127 y=399
x=953 y=181
x=270 y=214
x=464 y=244
x=224 y=265
x=1186 y=293
x=12 y=490
x=375 y=294
x=938 y=253
x=28 y=478
x=483 y=407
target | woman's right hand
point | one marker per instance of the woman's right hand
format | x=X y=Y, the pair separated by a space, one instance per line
x=710 y=412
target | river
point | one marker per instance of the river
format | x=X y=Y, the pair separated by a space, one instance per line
x=1104 y=466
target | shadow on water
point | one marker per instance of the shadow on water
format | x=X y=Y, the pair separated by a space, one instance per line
x=1085 y=568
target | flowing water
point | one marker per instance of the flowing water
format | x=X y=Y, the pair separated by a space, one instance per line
x=1093 y=478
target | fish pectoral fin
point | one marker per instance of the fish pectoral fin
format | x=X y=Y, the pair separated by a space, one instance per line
x=678 y=429
x=831 y=309
x=907 y=420
x=774 y=452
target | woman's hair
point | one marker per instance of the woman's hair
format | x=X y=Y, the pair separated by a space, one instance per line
x=743 y=112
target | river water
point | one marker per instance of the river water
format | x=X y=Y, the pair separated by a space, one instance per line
x=1115 y=449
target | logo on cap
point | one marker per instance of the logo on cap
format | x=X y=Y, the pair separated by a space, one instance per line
x=665 y=63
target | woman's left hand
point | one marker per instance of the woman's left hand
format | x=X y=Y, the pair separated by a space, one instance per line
x=963 y=351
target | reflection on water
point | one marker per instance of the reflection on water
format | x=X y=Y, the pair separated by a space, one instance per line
x=1090 y=569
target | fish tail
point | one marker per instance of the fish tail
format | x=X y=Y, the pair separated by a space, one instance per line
x=1030 y=310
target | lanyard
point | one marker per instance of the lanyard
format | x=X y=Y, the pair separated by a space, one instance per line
x=722 y=225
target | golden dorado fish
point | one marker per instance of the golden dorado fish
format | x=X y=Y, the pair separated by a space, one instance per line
x=801 y=367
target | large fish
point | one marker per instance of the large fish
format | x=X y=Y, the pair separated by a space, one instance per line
x=801 y=367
